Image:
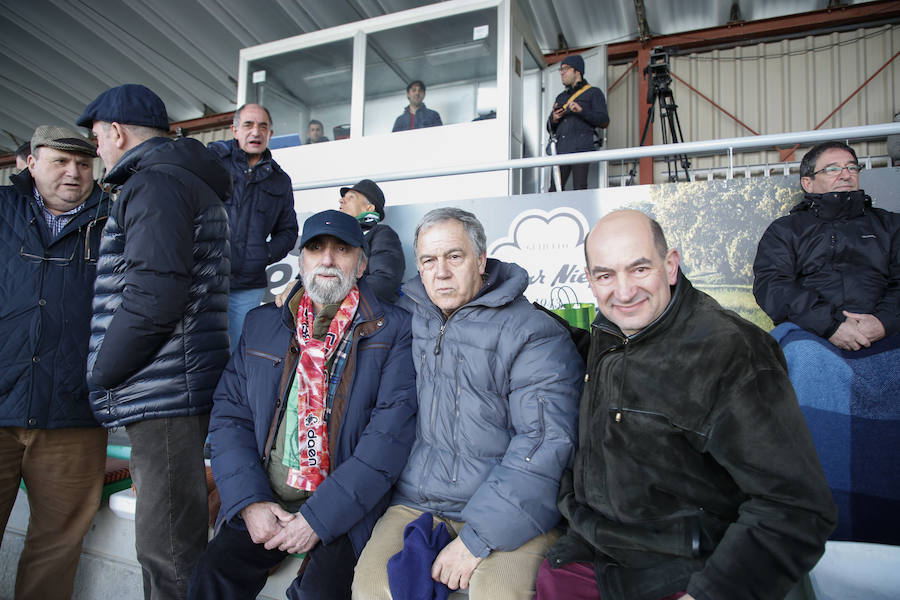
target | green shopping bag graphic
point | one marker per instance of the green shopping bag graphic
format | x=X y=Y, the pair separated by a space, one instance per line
x=564 y=302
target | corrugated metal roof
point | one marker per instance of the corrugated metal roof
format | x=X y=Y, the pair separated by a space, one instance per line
x=59 y=54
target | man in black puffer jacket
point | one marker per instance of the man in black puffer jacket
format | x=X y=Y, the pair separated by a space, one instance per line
x=828 y=275
x=159 y=338
x=833 y=254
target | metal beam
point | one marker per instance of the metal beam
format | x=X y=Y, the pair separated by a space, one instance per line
x=377 y=49
x=643 y=27
x=792 y=25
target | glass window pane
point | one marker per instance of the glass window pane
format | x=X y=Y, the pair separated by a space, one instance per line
x=306 y=84
x=455 y=57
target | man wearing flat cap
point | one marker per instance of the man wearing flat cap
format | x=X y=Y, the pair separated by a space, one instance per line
x=578 y=111
x=52 y=216
x=159 y=334
x=305 y=454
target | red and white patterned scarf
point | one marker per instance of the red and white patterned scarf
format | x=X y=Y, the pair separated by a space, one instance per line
x=312 y=428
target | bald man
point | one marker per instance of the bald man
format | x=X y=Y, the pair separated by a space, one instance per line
x=695 y=475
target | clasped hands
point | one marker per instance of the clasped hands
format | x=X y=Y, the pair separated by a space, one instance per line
x=858 y=331
x=276 y=528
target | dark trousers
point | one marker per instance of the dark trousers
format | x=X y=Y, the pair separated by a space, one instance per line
x=171 y=520
x=234 y=568
x=579 y=176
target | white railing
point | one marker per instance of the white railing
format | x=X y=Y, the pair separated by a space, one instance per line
x=708 y=147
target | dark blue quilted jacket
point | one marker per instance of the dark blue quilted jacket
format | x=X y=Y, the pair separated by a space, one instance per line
x=260 y=213
x=159 y=337
x=45 y=311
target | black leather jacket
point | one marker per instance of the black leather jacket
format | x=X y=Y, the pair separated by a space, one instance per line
x=834 y=252
x=695 y=469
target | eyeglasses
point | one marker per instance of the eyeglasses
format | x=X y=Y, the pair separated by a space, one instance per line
x=62 y=261
x=834 y=170
x=565 y=68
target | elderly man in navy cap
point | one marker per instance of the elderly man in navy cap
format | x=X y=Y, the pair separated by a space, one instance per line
x=578 y=111
x=159 y=335
x=305 y=453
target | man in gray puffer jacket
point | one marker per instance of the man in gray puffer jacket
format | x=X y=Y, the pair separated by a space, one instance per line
x=498 y=384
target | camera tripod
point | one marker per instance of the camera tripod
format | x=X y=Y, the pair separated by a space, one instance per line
x=660 y=92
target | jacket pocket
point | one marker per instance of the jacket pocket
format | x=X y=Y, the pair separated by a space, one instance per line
x=273 y=358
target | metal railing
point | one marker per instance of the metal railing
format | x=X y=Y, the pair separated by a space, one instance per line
x=708 y=147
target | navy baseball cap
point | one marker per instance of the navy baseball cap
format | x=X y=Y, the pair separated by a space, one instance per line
x=336 y=224
x=129 y=104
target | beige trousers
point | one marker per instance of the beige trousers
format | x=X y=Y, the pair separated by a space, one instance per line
x=63 y=471
x=500 y=576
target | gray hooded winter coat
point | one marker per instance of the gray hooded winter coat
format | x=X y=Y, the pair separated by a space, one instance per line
x=498 y=384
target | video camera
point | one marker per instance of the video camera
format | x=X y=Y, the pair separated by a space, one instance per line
x=659 y=73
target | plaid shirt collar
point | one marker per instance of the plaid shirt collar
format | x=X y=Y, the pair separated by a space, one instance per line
x=55 y=223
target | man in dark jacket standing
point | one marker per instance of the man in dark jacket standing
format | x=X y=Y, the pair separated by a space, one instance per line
x=695 y=475
x=260 y=211
x=386 y=264
x=344 y=386
x=50 y=224
x=828 y=275
x=159 y=335
x=577 y=112
x=498 y=384
x=416 y=115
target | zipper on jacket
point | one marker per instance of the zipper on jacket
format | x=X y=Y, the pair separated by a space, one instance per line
x=276 y=360
x=437 y=347
x=280 y=403
x=455 y=475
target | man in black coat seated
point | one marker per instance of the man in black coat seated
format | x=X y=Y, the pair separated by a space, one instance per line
x=384 y=272
x=828 y=275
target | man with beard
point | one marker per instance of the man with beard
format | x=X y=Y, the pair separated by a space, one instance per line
x=828 y=274
x=577 y=112
x=312 y=423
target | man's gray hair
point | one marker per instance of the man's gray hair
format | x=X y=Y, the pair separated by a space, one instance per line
x=470 y=223
x=140 y=132
x=236 y=120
